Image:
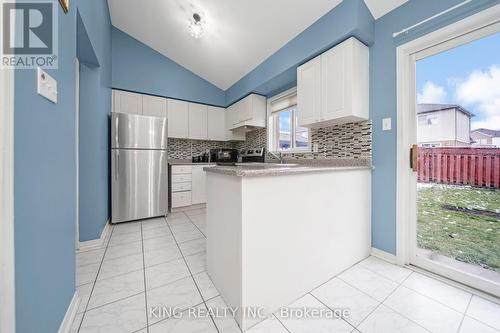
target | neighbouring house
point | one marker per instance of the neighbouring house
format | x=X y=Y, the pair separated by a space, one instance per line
x=443 y=125
x=486 y=137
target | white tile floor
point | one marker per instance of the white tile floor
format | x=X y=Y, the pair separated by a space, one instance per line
x=162 y=262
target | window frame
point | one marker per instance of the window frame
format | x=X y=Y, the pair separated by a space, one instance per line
x=272 y=125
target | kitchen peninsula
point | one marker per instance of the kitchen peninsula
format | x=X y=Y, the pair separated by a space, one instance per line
x=275 y=232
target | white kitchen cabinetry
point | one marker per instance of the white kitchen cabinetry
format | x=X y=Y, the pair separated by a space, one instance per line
x=178 y=119
x=198 y=121
x=342 y=74
x=250 y=111
x=309 y=91
x=216 y=123
x=154 y=106
x=198 y=188
x=181 y=185
x=193 y=120
x=127 y=102
x=188 y=185
x=231 y=135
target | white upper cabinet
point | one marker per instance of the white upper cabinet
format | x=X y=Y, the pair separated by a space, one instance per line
x=216 y=123
x=127 y=102
x=231 y=135
x=333 y=88
x=178 y=119
x=198 y=121
x=154 y=106
x=250 y=111
x=309 y=92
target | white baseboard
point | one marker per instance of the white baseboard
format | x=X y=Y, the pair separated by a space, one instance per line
x=94 y=243
x=70 y=314
x=389 y=257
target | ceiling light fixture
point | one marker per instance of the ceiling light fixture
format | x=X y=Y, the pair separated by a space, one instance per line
x=196 y=26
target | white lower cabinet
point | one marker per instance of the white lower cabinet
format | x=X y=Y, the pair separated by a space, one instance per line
x=198 y=188
x=181 y=185
x=188 y=185
x=181 y=199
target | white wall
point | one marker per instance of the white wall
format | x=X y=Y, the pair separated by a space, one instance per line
x=463 y=127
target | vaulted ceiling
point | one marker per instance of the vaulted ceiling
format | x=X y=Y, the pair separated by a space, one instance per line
x=239 y=34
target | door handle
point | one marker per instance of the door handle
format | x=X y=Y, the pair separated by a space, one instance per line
x=117 y=166
x=414 y=158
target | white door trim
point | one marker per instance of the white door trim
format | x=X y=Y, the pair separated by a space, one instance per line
x=7 y=263
x=471 y=28
x=77 y=154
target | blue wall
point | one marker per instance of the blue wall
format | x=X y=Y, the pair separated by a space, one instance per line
x=94 y=53
x=44 y=191
x=44 y=178
x=136 y=67
x=350 y=18
x=383 y=102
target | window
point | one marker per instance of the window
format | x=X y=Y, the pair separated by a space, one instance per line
x=427 y=120
x=285 y=135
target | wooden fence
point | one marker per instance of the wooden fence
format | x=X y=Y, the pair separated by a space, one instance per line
x=460 y=165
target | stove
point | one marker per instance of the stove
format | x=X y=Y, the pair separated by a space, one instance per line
x=253 y=155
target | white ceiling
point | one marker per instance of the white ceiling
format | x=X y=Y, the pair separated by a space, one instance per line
x=239 y=34
x=381 y=7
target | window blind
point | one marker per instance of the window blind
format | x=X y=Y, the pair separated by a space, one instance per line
x=284 y=102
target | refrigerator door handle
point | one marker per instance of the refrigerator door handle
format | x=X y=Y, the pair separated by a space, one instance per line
x=117 y=164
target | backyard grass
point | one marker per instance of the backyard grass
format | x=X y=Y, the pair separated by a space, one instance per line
x=460 y=222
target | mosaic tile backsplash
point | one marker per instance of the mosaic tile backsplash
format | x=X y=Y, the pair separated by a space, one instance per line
x=352 y=140
x=186 y=148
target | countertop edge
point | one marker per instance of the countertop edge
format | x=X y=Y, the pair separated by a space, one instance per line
x=240 y=172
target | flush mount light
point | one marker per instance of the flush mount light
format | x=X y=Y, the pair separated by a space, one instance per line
x=196 y=26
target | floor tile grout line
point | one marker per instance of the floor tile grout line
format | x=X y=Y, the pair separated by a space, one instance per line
x=118 y=300
x=399 y=313
x=189 y=218
x=328 y=307
x=192 y=276
x=144 y=277
x=465 y=313
x=432 y=299
x=279 y=321
x=95 y=280
x=375 y=272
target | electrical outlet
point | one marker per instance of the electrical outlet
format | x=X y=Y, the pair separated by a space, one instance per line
x=315 y=147
x=46 y=85
x=386 y=124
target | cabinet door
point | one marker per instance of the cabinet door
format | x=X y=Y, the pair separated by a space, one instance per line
x=198 y=188
x=126 y=102
x=216 y=123
x=245 y=109
x=197 y=121
x=154 y=106
x=232 y=135
x=309 y=92
x=178 y=119
x=334 y=71
x=235 y=114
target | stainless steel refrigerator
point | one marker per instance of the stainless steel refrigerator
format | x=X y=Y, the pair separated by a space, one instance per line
x=139 y=169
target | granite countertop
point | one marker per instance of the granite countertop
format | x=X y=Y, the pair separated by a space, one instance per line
x=291 y=167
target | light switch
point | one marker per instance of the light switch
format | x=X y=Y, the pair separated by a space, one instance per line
x=386 y=124
x=46 y=85
x=315 y=148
